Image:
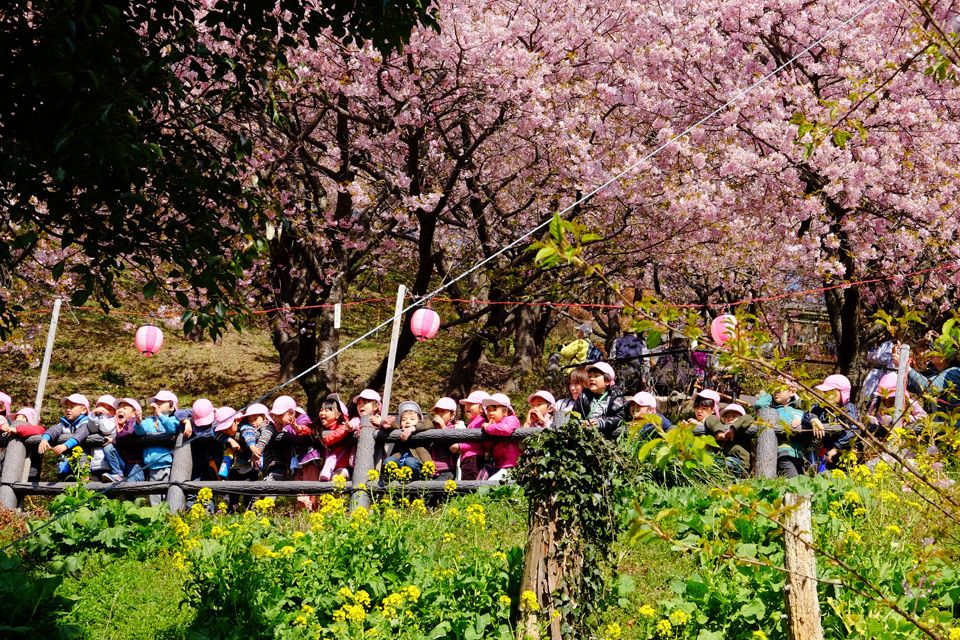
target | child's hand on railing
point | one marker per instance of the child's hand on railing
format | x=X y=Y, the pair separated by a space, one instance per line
x=60 y=449
x=187 y=428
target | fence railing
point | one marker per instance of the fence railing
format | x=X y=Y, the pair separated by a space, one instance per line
x=15 y=482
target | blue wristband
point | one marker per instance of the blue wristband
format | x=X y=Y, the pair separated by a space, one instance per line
x=71 y=443
x=46 y=437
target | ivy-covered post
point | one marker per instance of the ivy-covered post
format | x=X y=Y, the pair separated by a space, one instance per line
x=567 y=476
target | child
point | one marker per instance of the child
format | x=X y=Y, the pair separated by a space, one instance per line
x=158 y=457
x=239 y=435
x=501 y=421
x=368 y=403
x=793 y=445
x=577 y=382
x=881 y=408
x=337 y=438
x=472 y=453
x=411 y=421
x=204 y=448
x=23 y=424
x=643 y=410
x=280 y=453
x=76 y=408
x=730 y=432
x=706 y=402
x=5 y=417
x=103 y=421
x=123 y=454
x=442 y=415
x=836 y=389
x=542 y=410
x=601 y=404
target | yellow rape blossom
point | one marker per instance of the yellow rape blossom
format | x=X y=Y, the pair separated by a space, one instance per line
x=528 y=601
x=679 y=617
x=205 y=496
x=429 y=469
x=197 y=511
x=298 y=535
x=476 y=514
x=894 y=530
x=373 y=475
x=450 y=486
x=339 y=482
x=758 y=635
x=449 y=537
x=264 y=505
x=218 y=532
x=505 y=600
x=419 y=507
x=612 y=631
x=664 y=628
x=360 y=513
x=954 y=633
x=647 y=611
x=300 y=621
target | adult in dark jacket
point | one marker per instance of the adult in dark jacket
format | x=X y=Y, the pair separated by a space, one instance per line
x=602 y=404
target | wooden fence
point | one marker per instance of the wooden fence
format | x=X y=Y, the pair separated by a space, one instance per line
x=15 y=483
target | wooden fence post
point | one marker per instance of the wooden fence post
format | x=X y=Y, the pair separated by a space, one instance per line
x=180 y=471
x=12 y=472
x=363 y=463
x=803 y=606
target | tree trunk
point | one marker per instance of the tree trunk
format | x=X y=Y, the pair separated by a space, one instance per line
x=544 y=570
x=525 y=351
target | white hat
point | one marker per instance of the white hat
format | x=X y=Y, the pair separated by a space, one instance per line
x=735 y=408
x=446 y=404
x=546 y=396
x=605 y=369
x=76 y=398
x=498 y=399
x=108 y=400
x=165 y=396
x=475 y=397
x=644 y=399
x=367 y=394
x=133 y=403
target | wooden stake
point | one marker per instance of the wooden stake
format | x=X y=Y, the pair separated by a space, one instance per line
x=803 y=606
x=900 y=400
x=47 y=352
x=392 y=355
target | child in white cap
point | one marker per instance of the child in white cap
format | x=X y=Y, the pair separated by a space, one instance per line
x=76 y=408
x=730 y=432
x=543 y=409
x=103 y=421
x=602 y=404
x=158 y=457
x=643 y=410
x=442 y=417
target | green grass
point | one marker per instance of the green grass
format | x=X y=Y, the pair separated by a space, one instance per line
x=125 y=599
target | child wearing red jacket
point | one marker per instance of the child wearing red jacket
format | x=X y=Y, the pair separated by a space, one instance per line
x=338 y=438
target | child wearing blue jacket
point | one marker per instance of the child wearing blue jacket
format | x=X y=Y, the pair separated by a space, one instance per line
x=158 y=458
x=76 y=409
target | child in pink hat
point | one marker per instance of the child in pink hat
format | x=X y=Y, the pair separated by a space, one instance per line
x=472 y=454
x=442 y=416
x=501 y=421
x=542 y=409
x=23 y=424
x=124 y=454
x=837 y=410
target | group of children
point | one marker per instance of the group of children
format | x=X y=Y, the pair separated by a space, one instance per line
x=283 y=442
x=279 y=442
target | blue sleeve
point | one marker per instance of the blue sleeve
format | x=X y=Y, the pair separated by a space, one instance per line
x=249 y=436
x=763 y=401
x=169 y=424
x=140 y=428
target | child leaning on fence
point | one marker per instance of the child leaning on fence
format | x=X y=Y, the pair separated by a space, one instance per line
x=730 y=432
x=404 y=456
x=124 y=453
x=441 y=417
x=338 y=439
x=501 y=421
x=76 y=408
x=158 y=457
x=839 y=412
x=103 y=421
x=472 y=454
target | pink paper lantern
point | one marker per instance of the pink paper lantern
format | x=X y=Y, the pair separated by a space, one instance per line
x=722 y=328
x=149 y=340
x=425 y=323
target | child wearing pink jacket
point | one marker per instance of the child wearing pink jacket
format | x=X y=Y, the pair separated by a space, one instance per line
x=472 y=453
x=501 y=421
